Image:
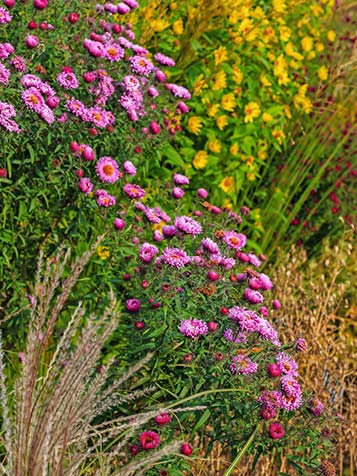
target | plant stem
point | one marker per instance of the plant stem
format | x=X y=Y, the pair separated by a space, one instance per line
x=242 y=452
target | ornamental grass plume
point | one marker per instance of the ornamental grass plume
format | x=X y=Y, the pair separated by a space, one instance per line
x=52 y=416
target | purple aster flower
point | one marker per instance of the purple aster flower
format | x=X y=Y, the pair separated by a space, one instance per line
x=290 y=385
x=5 y=16
x=253 y=296
x=231 y=336
x=227 y=263
x=241 y=364
x=134 y=191
x=267 y=331
x=271 y=399
x=67 y=80
x=291 y=402
x=188 y=225
x=123 y=8
x=132 y=3
x=248 y=320
x=7 y=109
x=286 y=364
x=158 y=236
x=193 y=328
x=114 y=52
x=9 y=124
x=6 y=49
x=33 y=99
x=141 y=65
x=153 y=92
x=169 y=231
x=139 y=50
x=4 y=75
x=106 y=200
x=129 y=168
x=107 y=170
x=147 y=252
x=210 y=245
x=152 y=215
x=77 y=108
x=316 y=407
x=175 y=257
x=301 y=344
x=234 y=240
x=254 y=260
x=180 y=179
x=178 y=91
x=18 y=63
x=85 y=185
x=165 y=60
x=177 y=193
x=266 y=281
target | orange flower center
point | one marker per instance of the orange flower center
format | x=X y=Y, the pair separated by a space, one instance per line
x=108 y=169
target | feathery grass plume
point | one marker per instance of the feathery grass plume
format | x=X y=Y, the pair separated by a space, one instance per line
x=48 y=417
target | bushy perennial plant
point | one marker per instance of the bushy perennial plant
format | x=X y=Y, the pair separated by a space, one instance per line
x=192 y=287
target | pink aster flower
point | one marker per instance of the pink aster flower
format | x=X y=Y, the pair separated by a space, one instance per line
x=210 y=246
x=5 y=16
x=286 y=363
x=129 y=168
x=178 y=91
x=107 y=170
x=6 y=49
x=141 y=65
x=234 y=240
x=67 y=80
x=165 y=60
x=123 y=8
x=149 y=440
x=231 y=336
x=254 y=260
x=32 y=41
x=316 y=407
x=163 y=419
x=290 y=385
x=301 y=344
x=7 y=110
x=134 y=191
x=85 y=185
x=33 y=99
x=253 y=296
x=131 y=83
x=248 y=320
x=4 y=75
x=106 y=200
x=153 y=215
x=9 y=124
x=291 y=402
x=241 y=364
x=193 y=328
x=180 y=179
x=46 y=114
x=276 y=431
x=114 y=52
x=188 y=225
x=175 y=257
x=147 y=252
x=271 y=399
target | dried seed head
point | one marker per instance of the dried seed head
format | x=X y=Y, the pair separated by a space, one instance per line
x=327 y=469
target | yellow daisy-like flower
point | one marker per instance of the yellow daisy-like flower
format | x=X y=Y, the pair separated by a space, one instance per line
x=262 y=154
x=177 y=27
x=215 y=146
x=103 y=252
x=287 y=111
x=159 y=226
x=228 y=102
x=199 y=85
x=227 y=184
x=265 y=81
x=219 y=81
x=221 y=122
x=267 y=117
x=320 y=47
x=251 y=110
x=285 y=33
x=220 y=55
x=279 y=135
x=212 y=111
x=227 y=204
x=200 y=159
x=311 y=55
x=251 y=176
x=279 y=6
x=234 y=148
x=316 y=10
x=237 y=75
x=195 y=124
x=290 y=51
x=331 y=36
x=248 y=30
x=307 y=43
x=322 y=73
x=159 y=25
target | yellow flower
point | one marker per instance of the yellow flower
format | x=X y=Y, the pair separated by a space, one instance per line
x=307 y=43
x=331 y=35
x=262 y=155
x=247 y=29
x=220 y=55
x=159 y=25
x=212 y=111
x=320 y=47
x=194 y=124
x=159 y=226
x=285 y=33
x=227 y=184
x=322 y=73
x=228 y=102
x=279 y=135
x=311 y=55
x=265 y=81
x=279 y=6
x=200 y=159
x=251 y=176
x=316 y=10
x=215 y=146
x=251 y=110
x=199 y=85
x=287 y=111
x=178 y=27
x=221 y=122
x=103 y=252
x=219 y=81
x=237 y=74
x=306 y=105
x=289 y=50
x=234 y=148
x=267 y=117
x=227 y=204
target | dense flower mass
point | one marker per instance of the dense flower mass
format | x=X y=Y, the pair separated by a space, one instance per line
x=193 y=328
